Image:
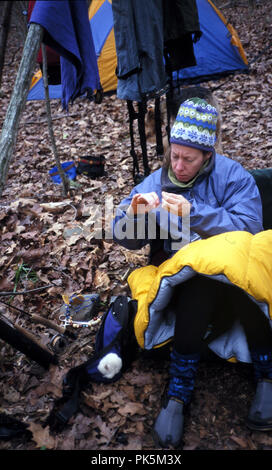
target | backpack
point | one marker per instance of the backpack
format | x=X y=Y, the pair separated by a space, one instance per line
x=115 y=349
x=92 y=166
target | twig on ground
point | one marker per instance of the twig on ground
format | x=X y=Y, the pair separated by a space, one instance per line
x=26 y=291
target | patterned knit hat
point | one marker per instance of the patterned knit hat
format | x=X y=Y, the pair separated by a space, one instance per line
x=195 y=125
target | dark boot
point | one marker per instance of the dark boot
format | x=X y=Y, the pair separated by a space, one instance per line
x=168 y=427
x=260 y=414
x=262 y=363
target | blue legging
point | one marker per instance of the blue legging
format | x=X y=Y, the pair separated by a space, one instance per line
x=202 y=301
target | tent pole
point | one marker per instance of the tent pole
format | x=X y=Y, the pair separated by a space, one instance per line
x=18 y=99
x=65 y=181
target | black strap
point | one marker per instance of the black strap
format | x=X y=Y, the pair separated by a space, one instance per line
x=140 y=116
x=159 y=147
x=132 y=115
x=169 y=96
x=141 y=127
x=65 y=408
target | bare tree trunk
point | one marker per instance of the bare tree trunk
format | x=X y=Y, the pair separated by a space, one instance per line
x=18 y=99
x=7 y=7
x=65 y=181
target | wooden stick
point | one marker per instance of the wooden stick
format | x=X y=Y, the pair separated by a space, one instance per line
x=18 y=99
x=23 y=292
x=38 y=319
x=65 y=181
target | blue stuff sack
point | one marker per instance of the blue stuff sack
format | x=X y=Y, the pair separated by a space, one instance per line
x=115 y=349
x=69 y=170
x=115 y=344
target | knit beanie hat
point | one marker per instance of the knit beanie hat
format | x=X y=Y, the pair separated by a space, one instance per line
x=195 y=125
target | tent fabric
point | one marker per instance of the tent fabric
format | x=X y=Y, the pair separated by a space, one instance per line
x=68 y=32
x=235 y=41
x=36 y=91
x=218 y=52
x=101 y=21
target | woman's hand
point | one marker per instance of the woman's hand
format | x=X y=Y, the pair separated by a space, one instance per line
x=143 y=202
x=175 y=203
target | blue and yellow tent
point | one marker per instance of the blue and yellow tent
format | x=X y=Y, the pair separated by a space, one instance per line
x=219 y=51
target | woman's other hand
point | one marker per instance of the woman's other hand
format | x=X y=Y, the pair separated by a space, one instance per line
x=176 y=204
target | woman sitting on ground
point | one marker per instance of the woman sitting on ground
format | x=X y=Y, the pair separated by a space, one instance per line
x=198 y=196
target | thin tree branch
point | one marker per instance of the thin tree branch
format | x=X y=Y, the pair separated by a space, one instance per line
x=26 y=291
x=64 y=179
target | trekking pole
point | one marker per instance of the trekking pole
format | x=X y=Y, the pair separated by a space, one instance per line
x=25 y=342
x=39 y=319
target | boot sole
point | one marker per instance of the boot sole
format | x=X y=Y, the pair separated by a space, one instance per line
x=259 y=427
x=159 y=444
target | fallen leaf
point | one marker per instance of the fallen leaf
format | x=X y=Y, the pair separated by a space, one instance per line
x=101 y=279
x=240 y=441
x=132 y=408
x=55 y=207
x=41 y=436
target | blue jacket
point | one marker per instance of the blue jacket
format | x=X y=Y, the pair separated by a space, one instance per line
x=223 y=198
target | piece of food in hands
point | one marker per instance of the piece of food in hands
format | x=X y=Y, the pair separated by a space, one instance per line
x=176 y=204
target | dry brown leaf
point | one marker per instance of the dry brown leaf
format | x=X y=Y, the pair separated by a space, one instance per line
x=34 y=254
x=42 y=436
x=51 y=388
x=240 y=441
x=132 y=408
x=22 y=202
x=101 y=280
x=55 y=207
x=106 y=430
x=135 y=442
x=245 y=102
x=191 y=443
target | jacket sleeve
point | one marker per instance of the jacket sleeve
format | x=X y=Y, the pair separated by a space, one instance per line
x=240 y=209
x=130 y=230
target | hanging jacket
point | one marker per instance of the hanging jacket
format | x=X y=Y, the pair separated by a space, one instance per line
x=138 y=31
x=223 y=198
x=238 y=258
x=180 y=17
x=181 y=30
